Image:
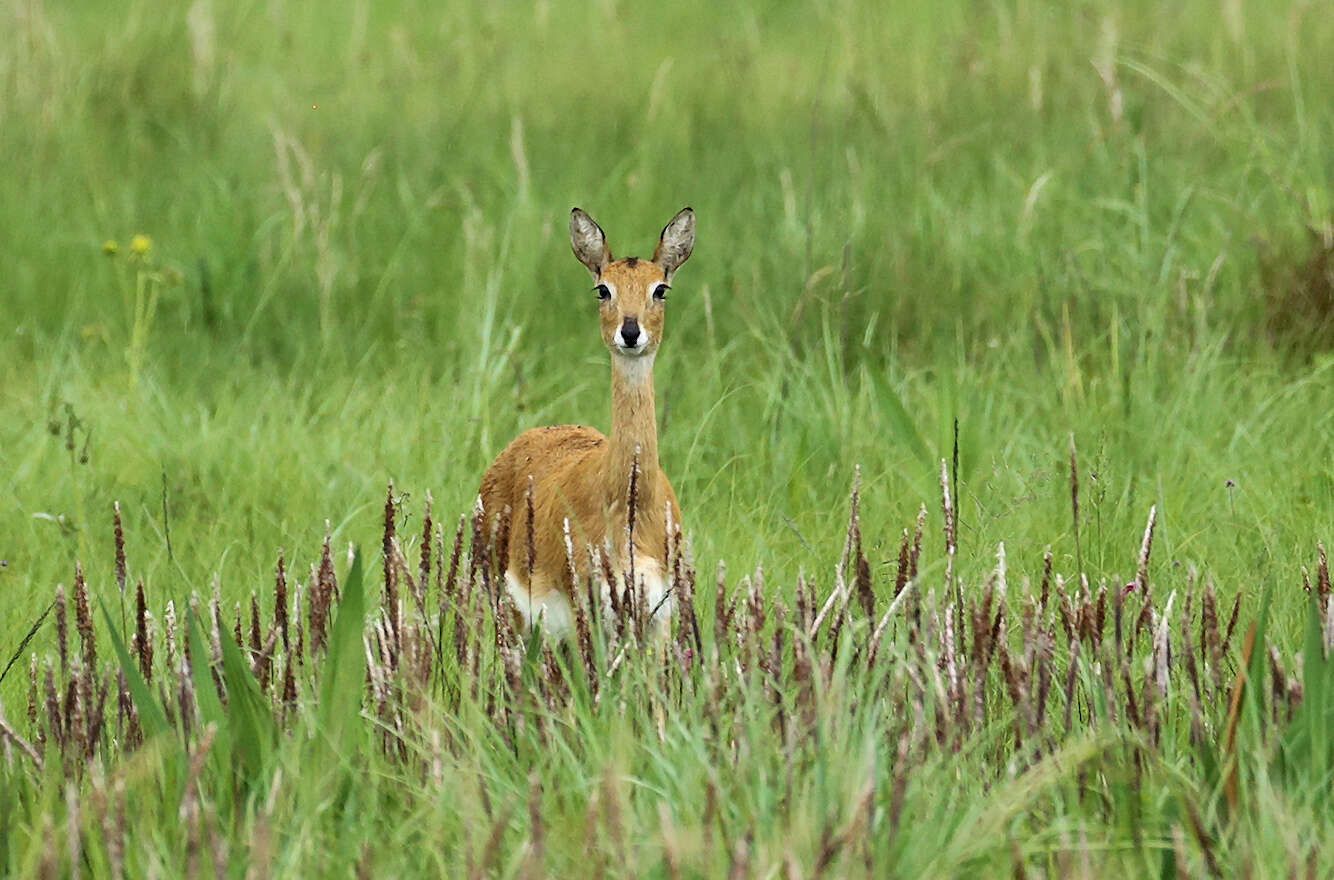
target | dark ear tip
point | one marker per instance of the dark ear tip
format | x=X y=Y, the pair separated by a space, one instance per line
x=576 y=211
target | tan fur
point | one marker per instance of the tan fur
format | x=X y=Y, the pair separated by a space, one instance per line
x=578 y=474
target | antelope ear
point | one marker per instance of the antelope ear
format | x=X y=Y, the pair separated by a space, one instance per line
x=588 y=242
x=676 y=242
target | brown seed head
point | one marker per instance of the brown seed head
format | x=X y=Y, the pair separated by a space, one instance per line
x=120 y=550
x=280 y=598
x=143 y=641
x=83 y=619
x=62 y=632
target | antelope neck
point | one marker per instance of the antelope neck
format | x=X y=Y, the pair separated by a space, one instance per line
x=633 y=426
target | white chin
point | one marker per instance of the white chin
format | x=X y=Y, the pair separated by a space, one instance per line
x=636 y=351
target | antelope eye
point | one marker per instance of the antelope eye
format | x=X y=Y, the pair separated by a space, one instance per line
x=660 y=292
x=603 y=292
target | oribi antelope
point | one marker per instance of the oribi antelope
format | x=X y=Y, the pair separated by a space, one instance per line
x=579 y=476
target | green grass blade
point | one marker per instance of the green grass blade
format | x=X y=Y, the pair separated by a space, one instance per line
x=211 y=710
x=345 y=668
x=151 y=717
x=252 y=721
x=1307 y=750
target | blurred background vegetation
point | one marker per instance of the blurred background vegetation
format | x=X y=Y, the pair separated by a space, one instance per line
x=262 y=258
x=1110 y=220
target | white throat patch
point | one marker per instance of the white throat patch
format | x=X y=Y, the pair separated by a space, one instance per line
x=635 y=370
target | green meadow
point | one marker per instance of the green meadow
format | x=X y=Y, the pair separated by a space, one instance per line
x=264 y=263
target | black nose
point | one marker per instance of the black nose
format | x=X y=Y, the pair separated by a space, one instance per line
x=630 y=331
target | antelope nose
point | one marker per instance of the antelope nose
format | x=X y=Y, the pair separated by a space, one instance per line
x=630 y=332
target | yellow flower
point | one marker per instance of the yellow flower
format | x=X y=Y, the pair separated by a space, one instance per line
x=140 y=245
x=110 y=248
x=91 y=332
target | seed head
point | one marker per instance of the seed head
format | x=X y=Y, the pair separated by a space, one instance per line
x=120 y=549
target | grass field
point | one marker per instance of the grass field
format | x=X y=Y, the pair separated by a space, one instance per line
x=1099 y=226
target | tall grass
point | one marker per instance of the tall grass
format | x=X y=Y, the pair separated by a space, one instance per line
x=951 y=232
x=849 y=728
